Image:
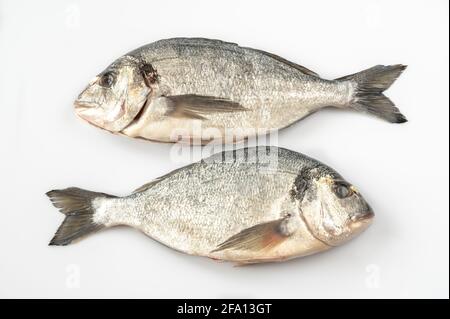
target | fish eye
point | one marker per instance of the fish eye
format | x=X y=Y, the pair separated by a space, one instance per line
x=107 y=80
x=342 y=190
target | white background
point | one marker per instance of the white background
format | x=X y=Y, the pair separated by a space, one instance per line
x=51 y=49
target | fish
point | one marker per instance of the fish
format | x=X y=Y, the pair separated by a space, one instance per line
x=199 y=91
x=248 y=205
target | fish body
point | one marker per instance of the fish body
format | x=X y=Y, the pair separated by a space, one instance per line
x=201 y=90
x=246 y=206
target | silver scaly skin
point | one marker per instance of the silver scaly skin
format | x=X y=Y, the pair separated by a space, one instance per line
x=248 y=206
x=201 y=89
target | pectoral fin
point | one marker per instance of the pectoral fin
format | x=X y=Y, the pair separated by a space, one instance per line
x=261 y=236
x=198 y=106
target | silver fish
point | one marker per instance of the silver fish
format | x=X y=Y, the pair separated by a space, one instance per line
x=250 y=205
x=201 y=90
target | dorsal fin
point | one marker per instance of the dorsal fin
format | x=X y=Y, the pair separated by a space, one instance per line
x=291 y=64
x=146 y=186
x=149 y=185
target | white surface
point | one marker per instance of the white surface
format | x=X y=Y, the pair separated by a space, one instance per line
x=49 y=50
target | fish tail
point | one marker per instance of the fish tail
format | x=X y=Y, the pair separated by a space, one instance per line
x=370 y=85
x=77 y=205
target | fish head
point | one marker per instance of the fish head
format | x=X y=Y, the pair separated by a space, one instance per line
x=114 y=97
x=333 y=209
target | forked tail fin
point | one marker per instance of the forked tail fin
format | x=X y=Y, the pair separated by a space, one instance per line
x=370 y=85
x=76 y=204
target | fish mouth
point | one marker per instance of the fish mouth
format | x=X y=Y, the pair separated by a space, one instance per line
x=361 y=221
x=81 y=106
x=82 y=109
x=364 y=217
x=95 y=114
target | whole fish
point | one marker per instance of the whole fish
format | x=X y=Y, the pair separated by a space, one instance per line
x=250 y=205
x=199 y=90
